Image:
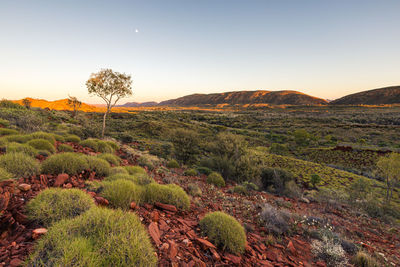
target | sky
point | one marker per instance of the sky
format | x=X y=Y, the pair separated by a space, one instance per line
x=328 y=49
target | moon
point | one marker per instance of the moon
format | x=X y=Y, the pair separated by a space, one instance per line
x=136 y=30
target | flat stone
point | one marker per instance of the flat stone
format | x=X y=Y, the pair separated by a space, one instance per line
x=24 y=187
x=166 y=207
x=61 y=179
x=38 y=232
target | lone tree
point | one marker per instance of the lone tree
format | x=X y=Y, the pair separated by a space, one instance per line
x=389 y=168
x=75 y=104
x=27 y=103
x=110 y=86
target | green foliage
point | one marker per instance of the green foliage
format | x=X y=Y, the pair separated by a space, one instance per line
x=99 y=237
x=250 y=186
x=389 y=168
x=19 y=164
x=118 y=170
x=216 y=179
x=25 y=120
x=135 y=170
x=54 y=204
x=240 y=189
x=72 y=138
x=113 y=145
x=279 y=149
x=194 y=190
x=167 y=194
x=104 y=147
x=172 y=164
x=224 y=231
x=4 y=123
x=186 y=143
x=65 y=148
x=302 y=137
x=5 y=131
x=23 y=148
x=315 y=179
x=42 y=144
x=359 y=189
x=275 y=179
x=139 y=178
x=100 y=166
x=42 y=135
x=68 y=162
x=111 y=158
x=18 y=138
x=362 y=259
x=9 y=104
x=5 y=175
x=91 y=143
x=190 y=172
x=120 y=193
x=204 y=170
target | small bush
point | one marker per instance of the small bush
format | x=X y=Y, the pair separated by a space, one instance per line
x=4 y=175
x=42 y=135
x=18 y=138
x=121 y=176
x=135 y=170
x=65 y=148
x=5 y=131
x=42 y=144
x=216 y=179
x=113 y=145
x=250 y=186
x=98 y=165
x=71 y=163
x=240 y=189
x=99 y=237
x=292 y=190
x=104 y=147
x=23 y=148
x=167 y=194
x=190 y=172
x=276 y=221
x=194 y=190
x=58 y=137
x=72 y=138
x=90 y=143
x=224 y=231
x=204 y=170
x=55 y=204
x=315 y=180
x=275 y=179
x=19 y=164
x=4 y=123
x=364 y=260
x=329 y=250
x=120 y=193
x=111 y=158
x=172 y=164
x=118 y=170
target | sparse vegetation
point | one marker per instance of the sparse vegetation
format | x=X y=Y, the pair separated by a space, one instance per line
x=276 y=221
x=216 y=179
x=362 y=259
x=173 y=164
x=55 y=204
x=224 y=231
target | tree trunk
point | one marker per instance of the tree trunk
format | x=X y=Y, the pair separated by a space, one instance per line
x=104 y=124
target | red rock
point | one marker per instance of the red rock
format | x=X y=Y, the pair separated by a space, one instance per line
x=215 y=255
x=164 y=247
x=133 y=205
x=101 y=201
x=154 y=233
x=234 y=259
x=266 y=264
x=206 y=244
x=173 y=249
x=165 y=206
x=291 y=248
x=155 y=216
x=68 y=186
x=16 y=262
x=61 y=179
x=24 y=187
x=93 y=194
x=320 y=264
x=38 y=232
x=271 y=255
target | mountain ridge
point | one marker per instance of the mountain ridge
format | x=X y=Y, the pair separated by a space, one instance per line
x=379 y=96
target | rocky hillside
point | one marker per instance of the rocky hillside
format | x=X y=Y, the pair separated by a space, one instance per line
x=137 y=104
x=61 y=104
x=246 y=97
x=386 y=95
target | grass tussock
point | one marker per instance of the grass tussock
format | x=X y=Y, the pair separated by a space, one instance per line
x=167 y=194
x=120 y=193
x=4 y=175
x=42 y=144
x=65 y=148
x=98 y=165
x=71 y=163
x=216 y=179
x=135 y=170
x=14 y=147
x=19 y=164
x=111 y=158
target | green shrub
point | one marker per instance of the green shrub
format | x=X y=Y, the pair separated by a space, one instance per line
x=121 y=176
x=167 y=194
x=120 y=193
x=204 y=170
x=117 y=170
x=362 y=259
x=190 y=172
x=113 y=145
x=172 y=164
x=111 y=158
x=9 y=104
x=135 y=170
x=58 y=137
x=240 y=189
x=72 y=138
x=42 y=135
x=98 y=165
x=315 y=180
x=68 y=162
x=19 y=164
x=194 y=190
x=104 y=147
x=19 y=138
x=4 y=123
x=250 y=186
x=4 y=175
x=55 y=204
x=90 y=143
x=275 y=179
x=224 y=231
x=65 y=148
x=42 y=144
x=99 y=237
x=5 y=131
x=23 y=148
x=216 y=179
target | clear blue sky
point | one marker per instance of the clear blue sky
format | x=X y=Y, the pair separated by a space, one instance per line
x=327 y=49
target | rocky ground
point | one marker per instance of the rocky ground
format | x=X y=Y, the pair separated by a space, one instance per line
x=176 y=234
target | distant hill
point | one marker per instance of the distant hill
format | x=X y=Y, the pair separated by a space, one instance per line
x=386 y=95
x=137 y=104
x=246 y=97
x=61 y=104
